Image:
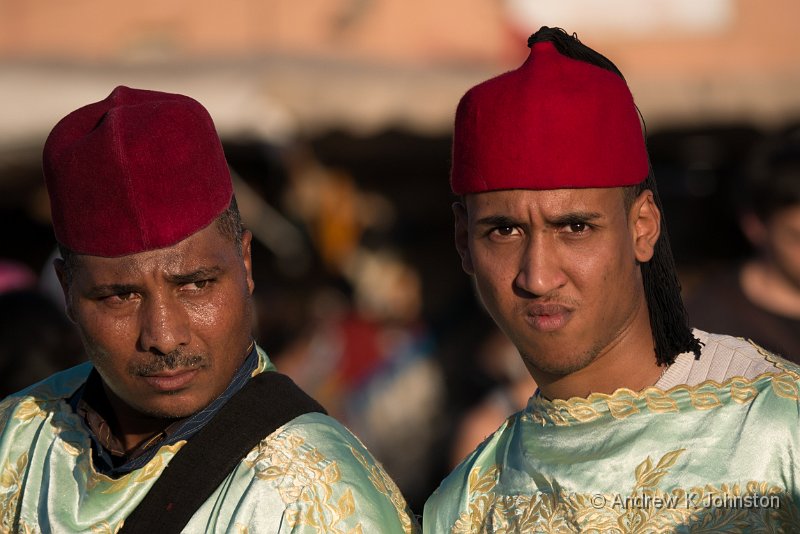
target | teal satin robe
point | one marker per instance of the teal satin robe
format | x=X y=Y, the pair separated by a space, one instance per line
x=712 y=458
x=311 y=475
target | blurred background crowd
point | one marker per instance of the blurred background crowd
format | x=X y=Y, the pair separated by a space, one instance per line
x=336 y=118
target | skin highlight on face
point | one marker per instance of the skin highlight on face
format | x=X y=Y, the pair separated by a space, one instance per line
x=558 y=270
x=166 y=329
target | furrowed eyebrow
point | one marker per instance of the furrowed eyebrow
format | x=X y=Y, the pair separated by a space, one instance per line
x=194 y=276
x=575 y=217
x=111 y=289
x=496 y=220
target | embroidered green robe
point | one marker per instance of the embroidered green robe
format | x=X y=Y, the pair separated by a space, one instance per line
x=311 y=475
x=716 y=457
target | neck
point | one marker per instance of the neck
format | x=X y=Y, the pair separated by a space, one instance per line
x=766 y=286
x=628 y=362
x=130 y=426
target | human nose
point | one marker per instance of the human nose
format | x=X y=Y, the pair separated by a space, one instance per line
x=540 y=272
x=164 y=325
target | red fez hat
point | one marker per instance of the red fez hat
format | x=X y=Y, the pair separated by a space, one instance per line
x=553 y=123
x=138 y=171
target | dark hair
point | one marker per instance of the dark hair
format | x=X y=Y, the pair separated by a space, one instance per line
x=668 y=318
x=570 y=46
x=773 y=181
x=229 y=224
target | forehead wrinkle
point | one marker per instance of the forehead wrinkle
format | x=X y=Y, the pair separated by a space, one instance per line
x=551 y=204
x=130 y=270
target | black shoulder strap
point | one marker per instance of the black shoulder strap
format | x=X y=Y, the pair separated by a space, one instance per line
x=265 y=403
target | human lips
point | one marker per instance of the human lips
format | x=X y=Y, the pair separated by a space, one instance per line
x=548 y=317
x=170 y=380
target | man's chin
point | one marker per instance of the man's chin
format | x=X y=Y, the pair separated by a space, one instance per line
x=559 y=362
x=174 y=408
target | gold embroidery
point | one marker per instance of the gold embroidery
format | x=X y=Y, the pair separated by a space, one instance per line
x=27 y=410
x=660 y=402
x=105 y=528
x=150 y=472
x=485 y=482
x=621 y=406
x=304 y=480
x=71 y=449
x=624 y=402
x=741 y=391
x=583 y=411
x=704 y=400
x=778 y=361
x=385 y=485
x=559 y=419
x=10 y=488
x=785 y=386
x=648 y=477
x=698 y=509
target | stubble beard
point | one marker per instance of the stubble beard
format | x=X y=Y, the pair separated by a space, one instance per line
x=564 y=365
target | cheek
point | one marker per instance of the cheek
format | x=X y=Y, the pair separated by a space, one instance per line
x=601 y=276
x=496 y=293
x=226 y=315
x=205 y=315
x=494 y=273
x=106 y=345
x=103 y=331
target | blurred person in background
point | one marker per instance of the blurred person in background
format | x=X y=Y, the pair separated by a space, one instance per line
x=559 y=222
x=365 y=350
x=36 y=339
x=760 y=299
x=498 y=359
x=156 y=272
x=369 y=357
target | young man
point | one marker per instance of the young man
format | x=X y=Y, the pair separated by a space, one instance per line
x=156 y=272
x=639 y=424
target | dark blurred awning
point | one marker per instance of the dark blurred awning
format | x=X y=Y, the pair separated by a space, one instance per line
x=279 y=99
x=275 y=99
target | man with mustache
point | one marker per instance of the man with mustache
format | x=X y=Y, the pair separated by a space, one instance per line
x=640 y=424
x=179 y=421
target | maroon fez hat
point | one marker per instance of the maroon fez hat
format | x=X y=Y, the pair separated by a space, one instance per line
x=138 y=171
x=553 y=123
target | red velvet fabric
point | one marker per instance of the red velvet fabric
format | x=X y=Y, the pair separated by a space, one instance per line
x=553 y=123
x=139 y=170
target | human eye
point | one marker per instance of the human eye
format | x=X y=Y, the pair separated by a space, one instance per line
x=118 y=299
x=197 y=285
x=502 y=232
x=574 y=227
x=577 y=227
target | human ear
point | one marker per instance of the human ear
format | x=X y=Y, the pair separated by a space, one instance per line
x=645 y=224
x=247 y=239
x=61 y=272
x=462 y=237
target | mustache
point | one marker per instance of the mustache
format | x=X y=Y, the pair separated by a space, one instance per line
x=550 y=304
x=167 y=362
